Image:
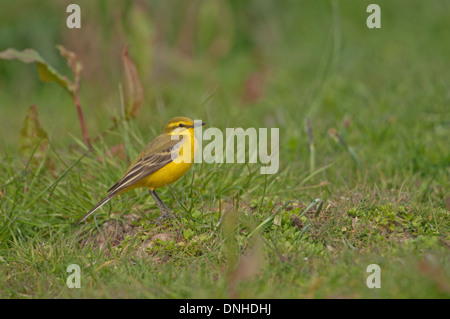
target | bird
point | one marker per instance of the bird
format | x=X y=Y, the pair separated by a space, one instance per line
x=163 y=161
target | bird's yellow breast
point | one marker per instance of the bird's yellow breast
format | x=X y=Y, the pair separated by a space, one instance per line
x=165 y=175
x=173 y=171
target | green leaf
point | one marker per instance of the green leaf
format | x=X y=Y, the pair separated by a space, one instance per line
x=188 y=233
x=33 y=140
x=46 y=72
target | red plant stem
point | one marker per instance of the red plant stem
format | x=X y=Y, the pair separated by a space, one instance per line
x=76 y=100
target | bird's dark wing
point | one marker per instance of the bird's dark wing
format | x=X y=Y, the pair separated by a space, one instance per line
x=155 y=155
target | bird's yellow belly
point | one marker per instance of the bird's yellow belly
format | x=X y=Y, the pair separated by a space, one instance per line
x=169 y=173
x=165 y=176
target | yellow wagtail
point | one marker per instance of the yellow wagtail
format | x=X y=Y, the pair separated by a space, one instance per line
x=159 y=164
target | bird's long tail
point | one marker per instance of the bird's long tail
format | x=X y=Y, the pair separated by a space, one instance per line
x=100 y=204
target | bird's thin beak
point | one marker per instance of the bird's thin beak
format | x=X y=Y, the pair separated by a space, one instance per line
x=198 y=125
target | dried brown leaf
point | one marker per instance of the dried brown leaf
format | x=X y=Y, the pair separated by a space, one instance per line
x=133 y=90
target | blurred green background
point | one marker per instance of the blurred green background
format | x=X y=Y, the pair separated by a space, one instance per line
x=257 y=63
x=250 y=64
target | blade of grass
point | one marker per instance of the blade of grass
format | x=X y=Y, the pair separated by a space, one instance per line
x=55 y=182
x=268 y=220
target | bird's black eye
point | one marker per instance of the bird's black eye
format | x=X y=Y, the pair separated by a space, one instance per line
x=180 y=125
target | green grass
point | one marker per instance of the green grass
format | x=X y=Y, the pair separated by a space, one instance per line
x=377 y=161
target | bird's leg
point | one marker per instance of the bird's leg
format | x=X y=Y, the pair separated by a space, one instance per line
x=164 y=205
x=165 y=211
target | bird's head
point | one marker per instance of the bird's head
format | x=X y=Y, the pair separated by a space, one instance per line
x=180 y=126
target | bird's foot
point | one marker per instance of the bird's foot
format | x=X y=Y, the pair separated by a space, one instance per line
x=165 y=215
